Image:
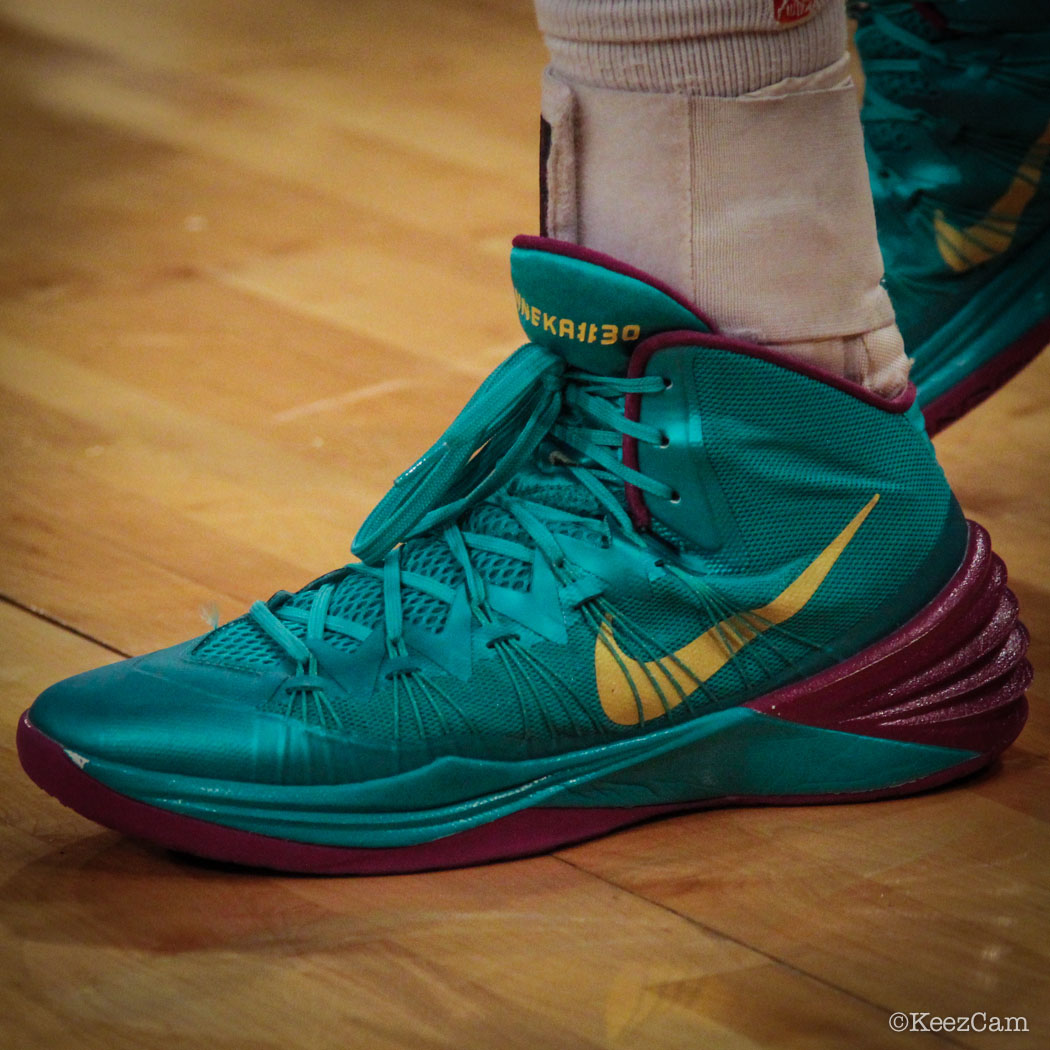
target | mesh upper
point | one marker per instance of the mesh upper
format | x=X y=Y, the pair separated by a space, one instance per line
x=242 y=644
x=794 y=477
x=795 y=459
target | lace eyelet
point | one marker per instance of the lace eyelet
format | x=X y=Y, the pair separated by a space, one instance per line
x=675 y=497
x=665 y=441
x=668 y=382
x=401 y=672
x=492 y=642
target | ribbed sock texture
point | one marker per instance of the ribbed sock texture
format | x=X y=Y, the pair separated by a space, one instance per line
x=706 y=47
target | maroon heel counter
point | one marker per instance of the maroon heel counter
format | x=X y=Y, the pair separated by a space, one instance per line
x=954 y=676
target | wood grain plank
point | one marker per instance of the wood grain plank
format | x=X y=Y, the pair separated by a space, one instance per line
x=254 y=260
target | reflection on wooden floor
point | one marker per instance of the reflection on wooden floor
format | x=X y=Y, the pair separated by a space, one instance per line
x=254 y=259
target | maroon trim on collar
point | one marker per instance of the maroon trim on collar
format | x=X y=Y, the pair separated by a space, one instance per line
x=901 y=403
x=577 y=251
x=714 y=338
x=632 y=406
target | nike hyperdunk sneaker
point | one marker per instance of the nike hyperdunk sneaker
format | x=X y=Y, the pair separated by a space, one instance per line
x=957 y=127
x=647 y=569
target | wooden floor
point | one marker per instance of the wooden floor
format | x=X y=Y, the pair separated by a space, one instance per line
x=252 y=260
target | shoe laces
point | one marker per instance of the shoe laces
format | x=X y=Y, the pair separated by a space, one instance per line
x=1008 y=57
x=535 y=424
x=534 y=415
x=932 y=43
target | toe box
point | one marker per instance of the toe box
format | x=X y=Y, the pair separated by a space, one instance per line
x=167 y=713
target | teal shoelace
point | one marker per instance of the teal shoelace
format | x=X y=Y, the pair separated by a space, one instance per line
x=1013 y=59
x=533 y=412
x=533 y=415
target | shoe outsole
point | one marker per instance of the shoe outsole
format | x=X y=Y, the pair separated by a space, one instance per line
x=977 y=387
x=951 y=681
x=526 y=833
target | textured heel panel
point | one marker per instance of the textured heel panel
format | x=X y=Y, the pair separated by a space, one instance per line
x=953 y=676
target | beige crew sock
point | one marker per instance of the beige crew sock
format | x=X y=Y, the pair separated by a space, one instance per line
x=720 y=149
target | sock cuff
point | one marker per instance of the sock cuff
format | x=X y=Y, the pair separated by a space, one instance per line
x=714 y=47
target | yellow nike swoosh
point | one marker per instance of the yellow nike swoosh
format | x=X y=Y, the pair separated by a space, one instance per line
x=964 y=249
x=632 y=692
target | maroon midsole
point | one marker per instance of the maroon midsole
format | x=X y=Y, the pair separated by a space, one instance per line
x=954 y=676
x=522 y=834
x=953 y=404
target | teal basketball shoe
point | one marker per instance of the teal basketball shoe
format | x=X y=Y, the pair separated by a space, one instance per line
x=956 y=121
x=648 y=569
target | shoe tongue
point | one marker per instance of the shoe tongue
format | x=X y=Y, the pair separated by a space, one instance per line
x=590 y=308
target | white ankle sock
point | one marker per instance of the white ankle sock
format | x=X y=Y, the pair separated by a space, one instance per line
x=720 y=149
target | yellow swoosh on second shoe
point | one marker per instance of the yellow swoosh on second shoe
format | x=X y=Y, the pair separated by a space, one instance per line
x=632 y=692
x=963 y=249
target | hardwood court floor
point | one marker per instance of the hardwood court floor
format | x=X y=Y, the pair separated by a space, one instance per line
x=254 y=259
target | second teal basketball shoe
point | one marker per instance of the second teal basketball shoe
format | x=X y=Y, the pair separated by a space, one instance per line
x=648 y=569
x=957 y=127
